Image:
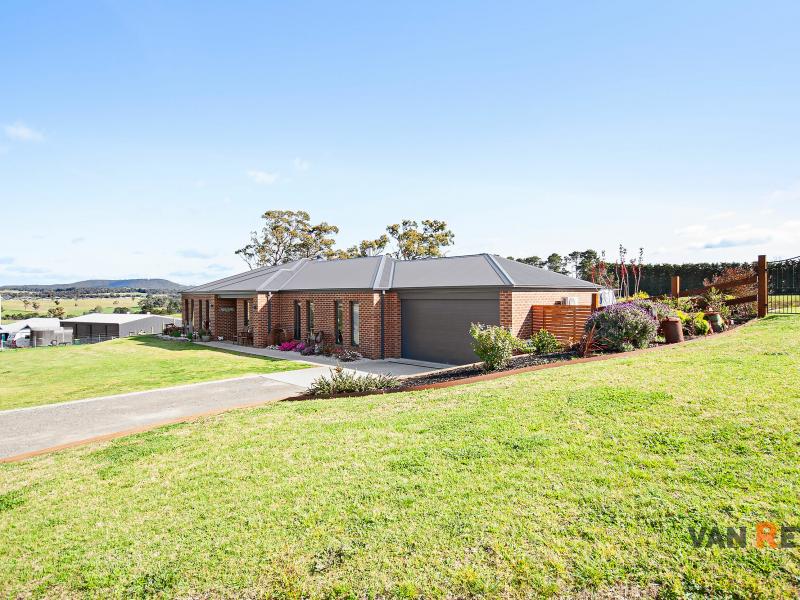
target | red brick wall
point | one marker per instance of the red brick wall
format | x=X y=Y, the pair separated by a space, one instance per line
x=392 y=325
x=258 y=320
x=194 y=305
x=324 y=318
x=515 y=307
x=225 y=320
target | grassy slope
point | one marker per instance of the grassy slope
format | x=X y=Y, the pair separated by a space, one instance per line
x=46 y=375
x=73 y=308
x=560 y=480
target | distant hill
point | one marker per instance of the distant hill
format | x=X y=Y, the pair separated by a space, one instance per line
x=110 y=284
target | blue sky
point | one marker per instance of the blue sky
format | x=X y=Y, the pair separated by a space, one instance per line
x=145 y=139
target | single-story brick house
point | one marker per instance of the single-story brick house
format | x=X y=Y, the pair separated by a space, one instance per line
x=383 y=307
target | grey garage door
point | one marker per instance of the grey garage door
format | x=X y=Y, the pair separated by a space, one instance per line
x=437 y=330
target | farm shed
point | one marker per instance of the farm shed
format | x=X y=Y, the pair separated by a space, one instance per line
x=116 y=325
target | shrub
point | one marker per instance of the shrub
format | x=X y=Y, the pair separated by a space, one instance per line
x=660 y=310
x=694 y=323
x=494 y=345
x=743 y=312
x=343 y=382
x=685 y=304
x=288 y=346
x=544 y=342
x=714 y=301
x=701 y=326
x=623 y=327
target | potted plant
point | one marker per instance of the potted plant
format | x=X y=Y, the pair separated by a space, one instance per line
x=715 y=309
x=205 y=335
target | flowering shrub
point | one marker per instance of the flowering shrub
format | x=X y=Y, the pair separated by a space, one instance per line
x=346 y=355
x=660 y=310
x=623 y=327
x=544 y=342
x=494 y=345
x=341 y=381
x=289 y=346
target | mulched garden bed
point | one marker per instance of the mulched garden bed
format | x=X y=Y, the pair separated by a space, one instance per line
x=517 y=362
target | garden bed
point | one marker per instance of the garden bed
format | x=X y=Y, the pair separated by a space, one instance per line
x=518 y=362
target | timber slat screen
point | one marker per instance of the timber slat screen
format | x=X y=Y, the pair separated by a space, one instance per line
x=566 y=322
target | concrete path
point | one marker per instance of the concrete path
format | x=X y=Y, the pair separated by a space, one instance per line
x=27 y=430
x=399 y=367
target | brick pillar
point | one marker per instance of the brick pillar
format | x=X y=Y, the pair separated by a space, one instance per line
x=506 y=309
x=258 y=320
x=392 y=344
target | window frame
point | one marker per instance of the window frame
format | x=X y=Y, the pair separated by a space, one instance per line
x=246 y=315
x=355 y=328
x=310 y=316
x=297 y=325
x=338 y=322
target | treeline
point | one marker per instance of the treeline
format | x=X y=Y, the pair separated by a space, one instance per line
x=657 y=278
x=654 y=278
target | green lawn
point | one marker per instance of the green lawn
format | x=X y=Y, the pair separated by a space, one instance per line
x=582 y=478
x=46 y=375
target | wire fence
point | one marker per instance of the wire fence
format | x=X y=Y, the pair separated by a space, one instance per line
x=33 y=342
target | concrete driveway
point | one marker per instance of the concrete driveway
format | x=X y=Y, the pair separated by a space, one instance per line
x=31 y=430
x=26 y=430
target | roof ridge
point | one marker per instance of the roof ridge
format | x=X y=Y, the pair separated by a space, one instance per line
x=301 y=263
x=376 y=280
x=498 y=269
x=296 y=264
x=237 y=277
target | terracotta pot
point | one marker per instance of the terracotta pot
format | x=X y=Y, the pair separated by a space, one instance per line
x=673 y=330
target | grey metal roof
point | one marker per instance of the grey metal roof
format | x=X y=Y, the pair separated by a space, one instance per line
x=114 y=318
x=386 y=273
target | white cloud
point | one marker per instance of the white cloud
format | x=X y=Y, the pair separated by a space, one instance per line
x=734 y=242
x=192 y=253
x=262 y=177
x=6 y=260
x=790 y=195
x=21 y=132
x=301 y=165
x=78 y=240
x=691 y=230
x=26 y=270
x=216 y=268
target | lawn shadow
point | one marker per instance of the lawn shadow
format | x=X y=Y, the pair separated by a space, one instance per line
x=154 y=342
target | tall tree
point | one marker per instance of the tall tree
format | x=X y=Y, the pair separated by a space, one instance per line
x=285 y=236
x=574 y=259
x=533 y=261
x=317 y=241
x=556 y=263
x=413 y=243
x=587 y=262
x=368 y=247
